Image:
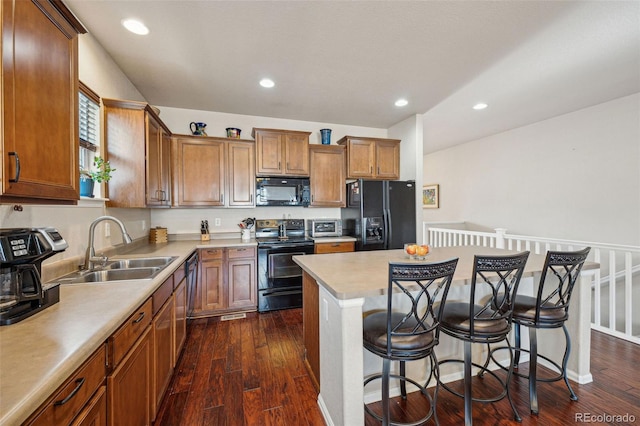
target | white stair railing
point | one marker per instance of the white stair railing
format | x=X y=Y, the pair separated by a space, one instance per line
x=614 y=290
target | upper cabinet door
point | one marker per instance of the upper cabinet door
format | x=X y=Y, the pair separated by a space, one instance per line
x=269 y=149
x=372 y=158
x=296 y=154
x=39 y=143
x=387 y=160
x=281 y=152
x=242 y=177
x=328 y=177
x=137 y=145
x=199 y=171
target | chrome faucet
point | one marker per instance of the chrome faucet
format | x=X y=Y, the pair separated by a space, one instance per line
x=91 y=258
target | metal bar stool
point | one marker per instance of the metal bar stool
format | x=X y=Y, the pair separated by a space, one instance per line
x=484 y=318
x=548 y=309
x=408 y=329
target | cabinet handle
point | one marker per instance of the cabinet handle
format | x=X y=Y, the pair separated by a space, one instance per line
x=378 y=169
x=79 y=383
x=140 y=317
x=250 y=198
x=371 y=169
x=222 y=198
x=278 y=165
x=17 y=178
x=336 y=245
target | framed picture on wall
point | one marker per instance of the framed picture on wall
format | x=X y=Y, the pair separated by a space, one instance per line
x=431 y=196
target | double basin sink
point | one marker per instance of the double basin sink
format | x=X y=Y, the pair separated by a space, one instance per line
x=121 y=270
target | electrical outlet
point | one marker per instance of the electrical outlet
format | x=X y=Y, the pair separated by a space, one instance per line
x=144 y=225
x=218 y=222
x=107 y=229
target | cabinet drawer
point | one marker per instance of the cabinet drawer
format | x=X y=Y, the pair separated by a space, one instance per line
x=161 y=295
x=95 y=414
x=69 y=400
x=241 y=252
x=178 y=275
x=211 y=253
x=122 y=340
x=343 y=247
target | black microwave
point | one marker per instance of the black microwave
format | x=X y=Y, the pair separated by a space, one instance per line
x=274 y=191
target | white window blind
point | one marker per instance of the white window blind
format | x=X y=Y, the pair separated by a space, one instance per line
x=89 y=112
x=89 y=126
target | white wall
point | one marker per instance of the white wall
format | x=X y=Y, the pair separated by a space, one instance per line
x=178 y=119
x=98 y=71
x=575 y=176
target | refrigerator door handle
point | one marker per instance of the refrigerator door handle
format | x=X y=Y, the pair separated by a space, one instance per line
x=387 y=228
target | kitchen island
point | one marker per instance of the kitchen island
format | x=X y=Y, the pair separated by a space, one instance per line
x=350 y=283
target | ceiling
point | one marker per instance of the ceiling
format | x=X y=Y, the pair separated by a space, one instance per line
x=347 y=62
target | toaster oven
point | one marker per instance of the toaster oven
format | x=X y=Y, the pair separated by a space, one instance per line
x=324 y=228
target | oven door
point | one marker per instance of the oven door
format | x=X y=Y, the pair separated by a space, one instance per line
x=276 y=268
x=279 y=277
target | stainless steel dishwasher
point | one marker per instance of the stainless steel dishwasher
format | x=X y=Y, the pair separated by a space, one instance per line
x=191 y=272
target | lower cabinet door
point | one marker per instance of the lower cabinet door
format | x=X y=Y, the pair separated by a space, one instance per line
x=162 y=353
x=180 y=308
x=242 y=283
x=129 y=386
x=95 y=413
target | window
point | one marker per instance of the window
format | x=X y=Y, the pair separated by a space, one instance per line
x=89 y=131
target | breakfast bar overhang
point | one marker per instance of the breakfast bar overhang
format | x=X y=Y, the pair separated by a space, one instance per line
x=345 y=281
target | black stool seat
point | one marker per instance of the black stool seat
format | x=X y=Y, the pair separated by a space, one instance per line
x=406 y=344
x=525 y=308
x=456 y=318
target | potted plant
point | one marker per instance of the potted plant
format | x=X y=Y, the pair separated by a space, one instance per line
x=101 y=173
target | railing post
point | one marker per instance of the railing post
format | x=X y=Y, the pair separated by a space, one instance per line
x=500 y=232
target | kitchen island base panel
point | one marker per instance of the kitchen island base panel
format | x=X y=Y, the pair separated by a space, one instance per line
x=341 y=390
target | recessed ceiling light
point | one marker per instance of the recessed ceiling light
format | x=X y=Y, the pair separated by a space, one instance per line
x=265 y=82
x=480 y=105
x=402 y=102
x=135 y=26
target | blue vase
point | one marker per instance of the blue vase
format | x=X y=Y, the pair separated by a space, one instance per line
x=86 y=186
x=326 y=136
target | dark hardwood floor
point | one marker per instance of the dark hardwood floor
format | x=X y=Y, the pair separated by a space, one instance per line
x=250 y=372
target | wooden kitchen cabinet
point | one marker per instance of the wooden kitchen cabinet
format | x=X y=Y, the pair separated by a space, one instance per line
x=129 y=390
x=327 y=175
x=137 y=144
x=180 y=312
x=129 y=385
x=281 y=152
x=74 y=398
x=163 y=353
x=211 y=284
x=158 y=164
x=242 y=286
x=95 y=413
x=334 y=247
x=213 y=172
x=372 y=158
x=227 y=281
x=39 y=103
x=241 y=180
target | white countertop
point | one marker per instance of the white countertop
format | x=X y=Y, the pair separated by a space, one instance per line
x=39 y=353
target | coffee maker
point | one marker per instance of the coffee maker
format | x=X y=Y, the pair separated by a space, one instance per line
x=22 y=251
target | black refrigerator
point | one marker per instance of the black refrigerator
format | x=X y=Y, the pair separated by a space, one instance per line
x=380 y=214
